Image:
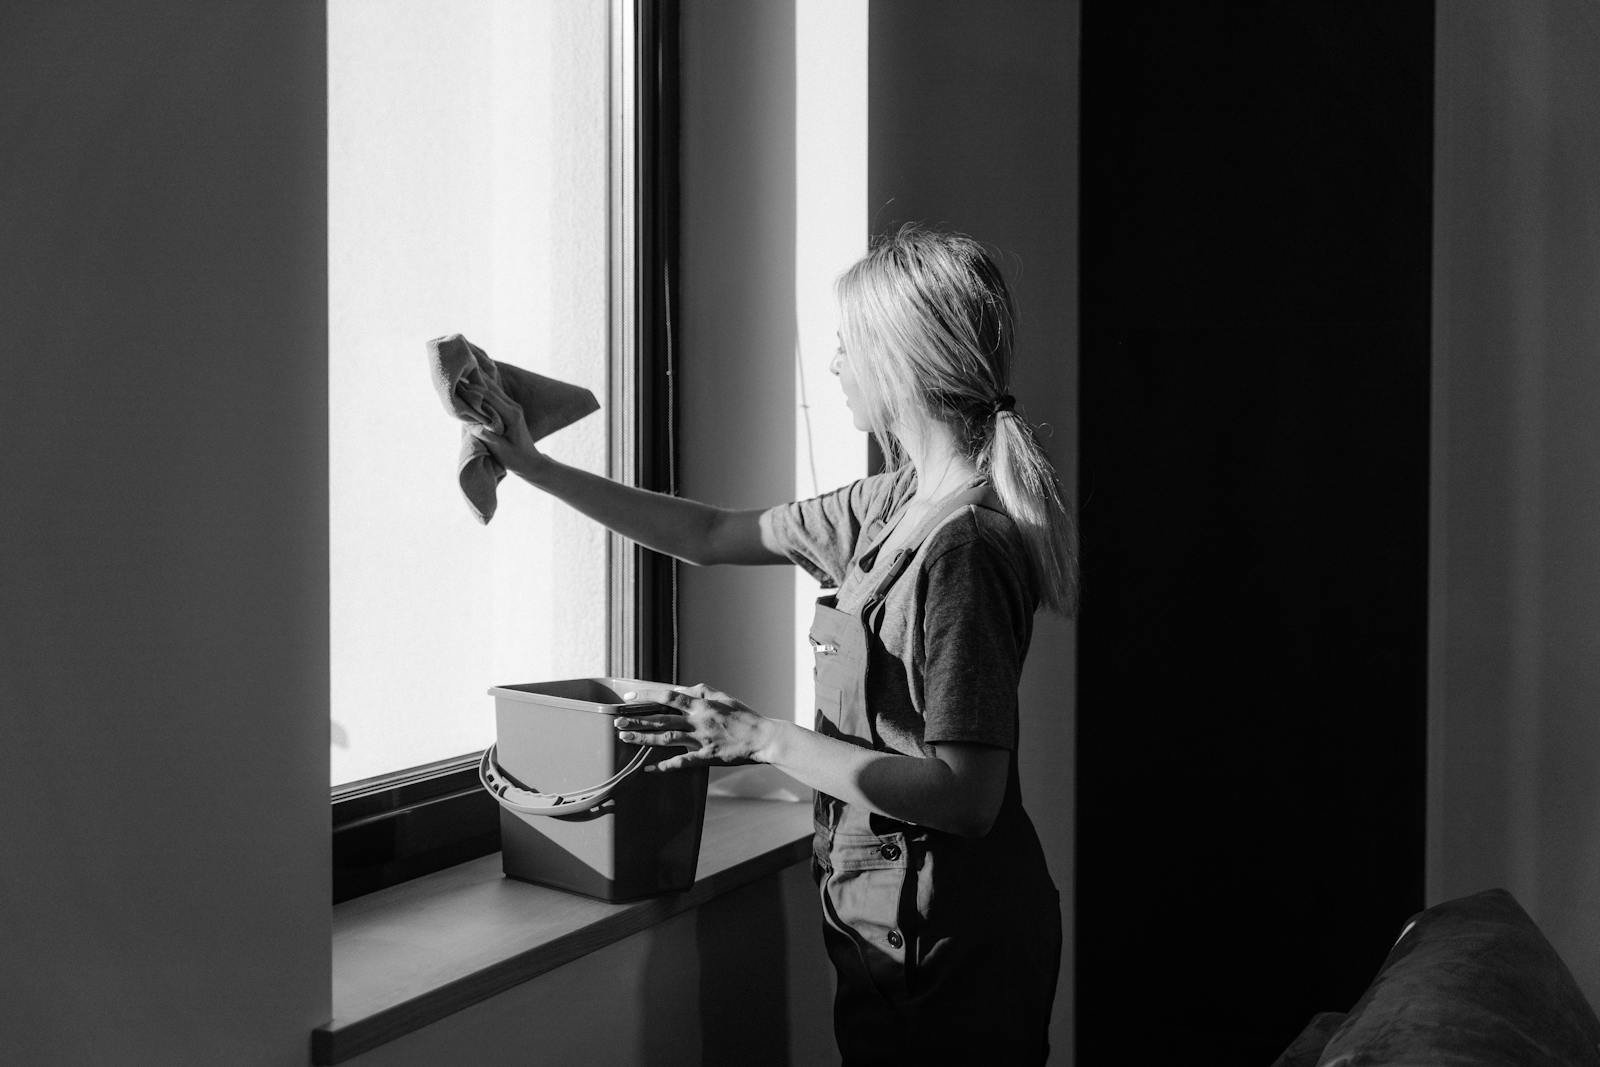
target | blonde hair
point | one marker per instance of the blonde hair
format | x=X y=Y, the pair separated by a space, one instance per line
x=926 y=319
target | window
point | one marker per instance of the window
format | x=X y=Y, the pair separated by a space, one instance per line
x=495 y=168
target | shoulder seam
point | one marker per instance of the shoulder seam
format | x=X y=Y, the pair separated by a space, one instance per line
x=958 y=538
x=971 y=533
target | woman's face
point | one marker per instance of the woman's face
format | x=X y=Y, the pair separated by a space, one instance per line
x=840 y=365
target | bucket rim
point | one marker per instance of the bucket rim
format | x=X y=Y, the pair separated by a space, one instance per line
x=521 y=693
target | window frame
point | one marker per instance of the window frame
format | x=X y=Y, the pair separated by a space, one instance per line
x=398 y=826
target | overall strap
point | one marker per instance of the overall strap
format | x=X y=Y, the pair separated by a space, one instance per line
x=978 y=494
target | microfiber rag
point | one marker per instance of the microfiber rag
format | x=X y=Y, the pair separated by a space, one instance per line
x=472 y=385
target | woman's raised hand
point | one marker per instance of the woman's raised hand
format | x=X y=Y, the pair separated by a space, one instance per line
x=713 y=726
x=514 y=448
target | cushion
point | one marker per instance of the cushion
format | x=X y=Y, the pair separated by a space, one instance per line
x=1470 y=982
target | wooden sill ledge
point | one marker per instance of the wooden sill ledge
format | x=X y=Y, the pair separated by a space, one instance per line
x=412 y=954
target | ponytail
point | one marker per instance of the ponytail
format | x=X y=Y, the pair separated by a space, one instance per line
x=1031 y=494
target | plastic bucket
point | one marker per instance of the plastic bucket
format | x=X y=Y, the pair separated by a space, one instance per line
x=575 y=813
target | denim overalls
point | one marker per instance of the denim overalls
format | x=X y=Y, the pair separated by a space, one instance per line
x=946 y=949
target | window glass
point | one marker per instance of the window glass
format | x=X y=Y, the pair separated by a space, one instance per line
x=467 y=192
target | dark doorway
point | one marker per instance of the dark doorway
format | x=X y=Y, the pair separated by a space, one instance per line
x=1256 y=231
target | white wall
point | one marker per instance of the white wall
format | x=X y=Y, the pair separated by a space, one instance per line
x=1514 y=693
x=163 y=533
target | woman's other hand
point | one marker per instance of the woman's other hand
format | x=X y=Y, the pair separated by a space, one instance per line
x=514 y=448
x=713 y=726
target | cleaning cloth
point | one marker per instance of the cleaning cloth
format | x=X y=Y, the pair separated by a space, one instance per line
x=476 y=389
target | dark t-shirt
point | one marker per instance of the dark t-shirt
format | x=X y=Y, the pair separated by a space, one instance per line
x=954 y=629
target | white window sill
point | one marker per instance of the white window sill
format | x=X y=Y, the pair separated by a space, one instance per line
x=412 y=954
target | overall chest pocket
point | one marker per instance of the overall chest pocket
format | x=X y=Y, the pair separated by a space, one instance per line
x=835 y=677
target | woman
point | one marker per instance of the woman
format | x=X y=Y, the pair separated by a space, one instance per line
x=939 y=914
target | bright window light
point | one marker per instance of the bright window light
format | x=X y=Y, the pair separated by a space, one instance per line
x=467 y=192
x=830 y=234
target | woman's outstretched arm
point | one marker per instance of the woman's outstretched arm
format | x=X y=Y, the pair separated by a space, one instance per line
x=686 y=529
x=958 y=790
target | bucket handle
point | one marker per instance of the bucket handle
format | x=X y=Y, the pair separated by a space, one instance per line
x=513 y=797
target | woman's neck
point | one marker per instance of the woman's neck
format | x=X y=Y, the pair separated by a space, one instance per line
x=941 y=465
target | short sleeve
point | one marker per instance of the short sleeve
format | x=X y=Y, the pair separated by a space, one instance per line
x=820 y=534
x=977 y=620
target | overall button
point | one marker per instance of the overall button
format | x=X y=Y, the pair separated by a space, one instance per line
x=895 y=940
x=890 y=852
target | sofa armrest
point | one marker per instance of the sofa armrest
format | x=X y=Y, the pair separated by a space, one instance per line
x=1471 y=982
